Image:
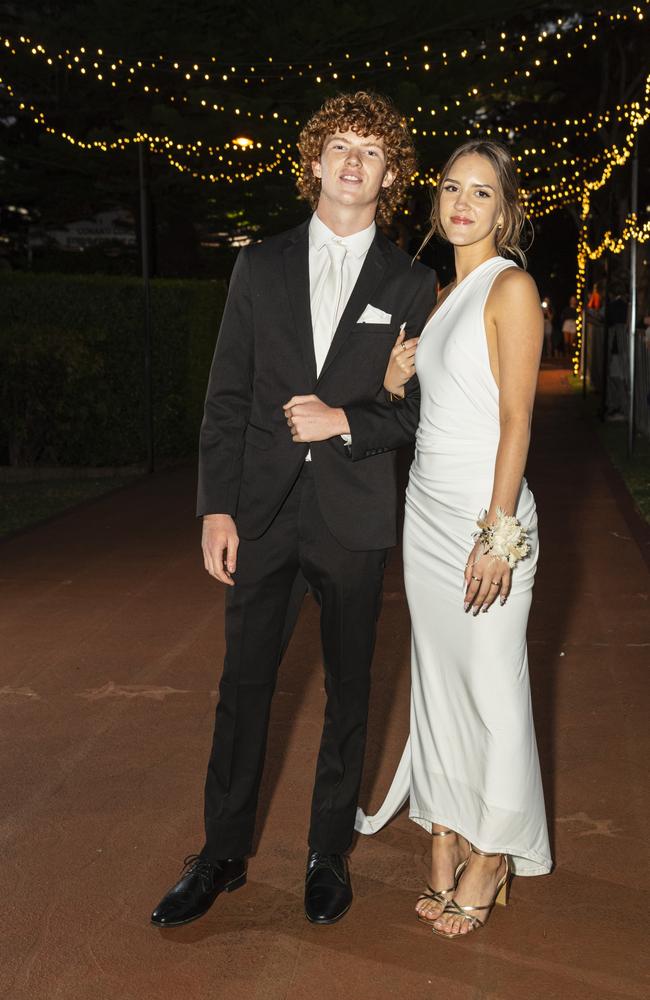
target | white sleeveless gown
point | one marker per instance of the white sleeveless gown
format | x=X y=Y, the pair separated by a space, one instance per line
x=471 y=760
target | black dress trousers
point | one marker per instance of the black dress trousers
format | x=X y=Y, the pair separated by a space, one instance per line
x=261 y=610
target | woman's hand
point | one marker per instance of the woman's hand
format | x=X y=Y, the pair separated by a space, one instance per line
x=486 y=578
x=401 y=366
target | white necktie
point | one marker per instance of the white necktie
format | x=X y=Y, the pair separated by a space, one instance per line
x=326 y=320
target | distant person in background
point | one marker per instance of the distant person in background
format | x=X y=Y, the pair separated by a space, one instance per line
x=568 y=324
x=547 y=310
x=595 y=299
x=557 y=336
x=618 y=354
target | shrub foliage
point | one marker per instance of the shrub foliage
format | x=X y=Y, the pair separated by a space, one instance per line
x=72 y=367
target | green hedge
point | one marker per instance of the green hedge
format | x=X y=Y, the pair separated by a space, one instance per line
x=72 y=368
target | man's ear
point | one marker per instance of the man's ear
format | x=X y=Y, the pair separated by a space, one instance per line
x=316 y=168
x=389 y=177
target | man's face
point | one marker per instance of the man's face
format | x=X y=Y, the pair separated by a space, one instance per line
x=352 y=169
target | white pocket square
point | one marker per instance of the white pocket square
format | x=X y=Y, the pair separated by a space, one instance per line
x=371 y=314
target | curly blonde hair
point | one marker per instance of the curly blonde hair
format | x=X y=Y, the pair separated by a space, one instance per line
x=509 y=234
x=366 y=114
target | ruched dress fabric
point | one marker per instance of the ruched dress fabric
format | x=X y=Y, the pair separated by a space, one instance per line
x=471 y=760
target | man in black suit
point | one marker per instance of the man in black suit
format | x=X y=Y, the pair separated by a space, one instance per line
x=297 y=484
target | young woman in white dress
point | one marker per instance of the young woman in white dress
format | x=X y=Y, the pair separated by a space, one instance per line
x=470 y=769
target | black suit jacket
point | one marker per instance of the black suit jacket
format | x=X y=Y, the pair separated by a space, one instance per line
x=265 y=355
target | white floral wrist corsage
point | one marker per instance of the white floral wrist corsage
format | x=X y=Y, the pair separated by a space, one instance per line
x=505 y=539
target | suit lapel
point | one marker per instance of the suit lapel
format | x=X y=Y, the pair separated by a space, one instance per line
x=296 y=270
x=372 y=273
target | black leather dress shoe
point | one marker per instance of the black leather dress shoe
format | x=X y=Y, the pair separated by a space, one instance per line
x=328 y=890
x=197 y=889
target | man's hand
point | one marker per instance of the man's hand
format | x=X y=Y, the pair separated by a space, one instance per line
x=310 y=419
x=220 y=542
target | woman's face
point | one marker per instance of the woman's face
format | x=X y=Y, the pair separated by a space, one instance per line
x=470 y=201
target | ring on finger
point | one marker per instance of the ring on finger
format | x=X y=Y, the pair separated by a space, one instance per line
x=495 y=583
x=477 y=578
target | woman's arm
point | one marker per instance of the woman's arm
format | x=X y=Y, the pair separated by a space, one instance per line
x=514 y=327
x=377 y=426
x=515 y=334
x=401 y=364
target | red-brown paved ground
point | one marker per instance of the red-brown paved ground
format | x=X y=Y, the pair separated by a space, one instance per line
x=110 y=654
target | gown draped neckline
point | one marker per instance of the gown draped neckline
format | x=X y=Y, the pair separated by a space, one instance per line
x=461 y=284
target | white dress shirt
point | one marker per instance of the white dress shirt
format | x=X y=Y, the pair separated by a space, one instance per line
x=357 y=247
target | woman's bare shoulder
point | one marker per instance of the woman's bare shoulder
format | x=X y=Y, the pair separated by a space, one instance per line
x=515 y=281
x=513 y=288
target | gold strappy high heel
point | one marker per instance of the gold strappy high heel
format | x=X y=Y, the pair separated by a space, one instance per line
x=442 y=895
x=500 y=897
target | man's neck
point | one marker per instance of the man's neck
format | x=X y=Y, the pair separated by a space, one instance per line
x=345 y=221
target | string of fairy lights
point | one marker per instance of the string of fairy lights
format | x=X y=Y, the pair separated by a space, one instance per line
x=198 y=147
x=569 y=189
x=172 y=150
x=244 y=159
x=104 y=65
x=632 y=230
x=580 y=128
x=72 y=60
x=165 y=145
x=233 y=160
x=117 y=70
x=541 y=201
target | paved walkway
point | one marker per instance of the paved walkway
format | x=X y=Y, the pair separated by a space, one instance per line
x=111 y=640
